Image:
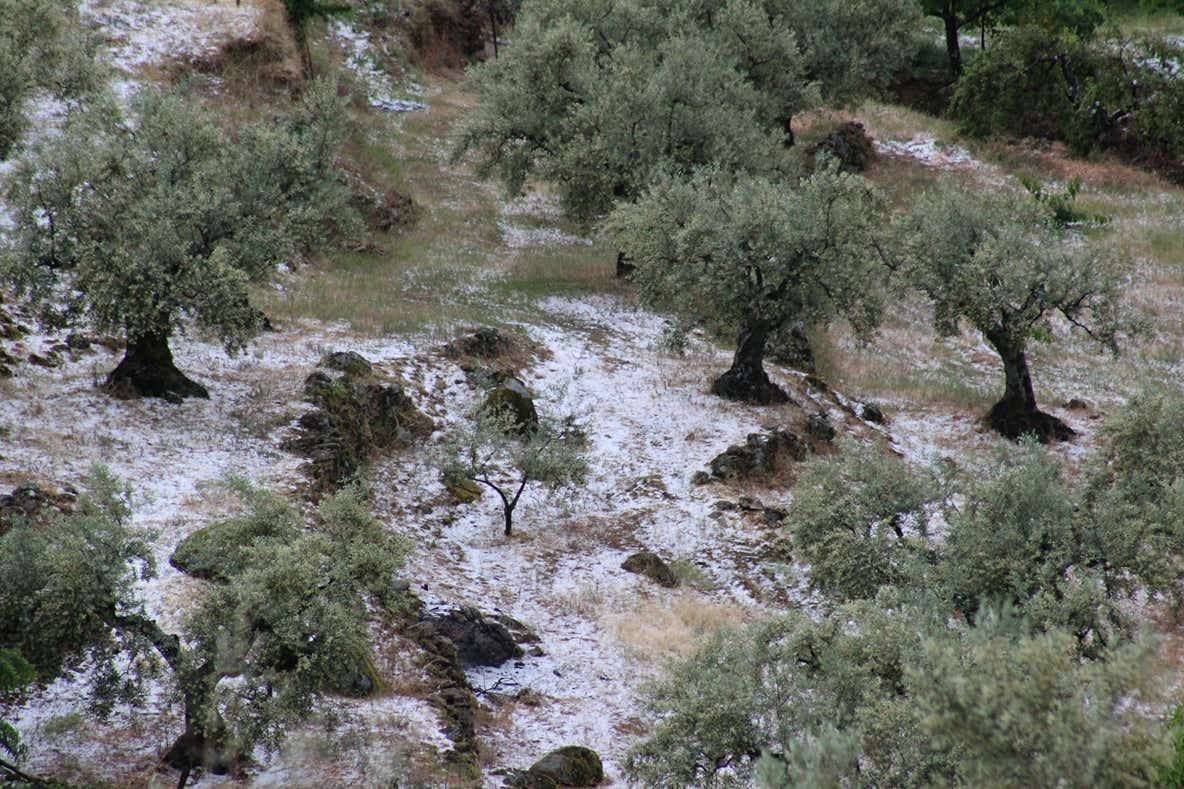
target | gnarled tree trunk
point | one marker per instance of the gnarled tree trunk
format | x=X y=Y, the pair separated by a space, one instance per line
x=147 y=370
x=747 y=380
x=1016 y=414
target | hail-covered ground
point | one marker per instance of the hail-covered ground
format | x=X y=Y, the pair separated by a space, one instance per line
x=650 y=424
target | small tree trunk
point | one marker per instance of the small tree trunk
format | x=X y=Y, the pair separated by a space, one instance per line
x=953 y=46
x=493 y=26
x=747 y=380
x=147 y=370
x=788 y=127
x=1016 y=414
x=200 y=744
x=508 y=513
x=624 y=267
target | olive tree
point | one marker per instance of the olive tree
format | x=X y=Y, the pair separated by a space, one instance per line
x=494 y=449
x=256 y=650
x=1000 y=263
x=15 y=674
x=757 y=254
x=141 y=226
x=596 y=96
x=42 y=48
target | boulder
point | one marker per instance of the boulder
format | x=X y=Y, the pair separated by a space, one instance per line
x=759 y=454
x=348 y=362
x=571 y=765
x=651 y=566
x=357 y=416
x=483 y=343
x=849 y=145
x=512 y=396
x=479 y=641
x=32 y=502
x=819 y=428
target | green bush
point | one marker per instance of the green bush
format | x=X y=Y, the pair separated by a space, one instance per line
x=1094 y=94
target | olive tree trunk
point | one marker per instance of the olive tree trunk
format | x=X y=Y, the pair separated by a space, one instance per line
x=1016 y=414
x=953 y=45
x=747 y=380
x=202 y=743
x=147 y=370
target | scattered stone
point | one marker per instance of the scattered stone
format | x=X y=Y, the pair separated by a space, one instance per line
x=451 y=695
x=701 y=478
x=479 y=641
x=749 y=504
x=511 y=395
x=651 y=566
x=571 y=765
x=759 y=454
x=1077 y=404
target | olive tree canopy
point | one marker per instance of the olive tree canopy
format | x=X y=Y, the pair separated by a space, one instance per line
x=757 y=254
x=596 y=96
x=140 y=226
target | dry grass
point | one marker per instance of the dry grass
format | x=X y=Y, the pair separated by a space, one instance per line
x=658 y=629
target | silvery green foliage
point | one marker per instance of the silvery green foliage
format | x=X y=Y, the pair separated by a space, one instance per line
x=164 y=217
x=860 y=521
x=883 y=693
x=491 y=448
x=1135 y=492
x=42 y=48
x=758 y=251
x=1001 y=654
x=595 y=96
x=999 y=262
x=256 y=650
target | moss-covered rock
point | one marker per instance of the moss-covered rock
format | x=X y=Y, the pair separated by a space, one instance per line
x=511 y=395
x=358 y=415
x=464 y=490
x=650 y=565
x=571 y=765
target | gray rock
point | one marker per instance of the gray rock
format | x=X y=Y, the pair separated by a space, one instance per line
x=819 y=428
x=348 y=362
x=511 y=395
x=479 y=641
x=651 y=566
x=571 y=765
x=759 y=454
